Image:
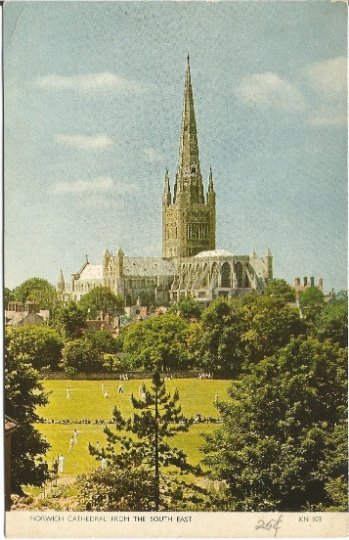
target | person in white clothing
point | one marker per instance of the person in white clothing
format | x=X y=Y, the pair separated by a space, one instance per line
x=61 y=464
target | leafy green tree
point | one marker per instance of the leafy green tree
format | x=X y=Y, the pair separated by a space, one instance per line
x=157 y=343
x=221 y=346
x=71 y=320
x=269 y=325
x=280 y=289
x=146 y=448
x=101 y=300
x=82 y=356
x=282 y=445
x=311 y=302
x=8 y=296
x=104 y=342
x=37 y=290
x=23 y=393
x=187 y=308
x=42 y=345
x=332 y=323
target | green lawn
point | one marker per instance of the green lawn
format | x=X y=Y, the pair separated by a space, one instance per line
x=87 y=401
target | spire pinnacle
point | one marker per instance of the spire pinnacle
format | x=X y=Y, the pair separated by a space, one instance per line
x=210 y=181
x=189 y=150
x=167 y=189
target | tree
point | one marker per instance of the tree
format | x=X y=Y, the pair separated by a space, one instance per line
x=311 y=302
x=37 y=290
x=41 y=345
x=146 y=449
x=280 y=289
x=23 y=394
x=8 y=296
x=222 y=347
x=187 y=308
x=82 y=356
x=269 y=325
x=332 y=323
x=282 y=445
x=71 y=320
x=157 y=343
x=104 y=342
x=101 y=300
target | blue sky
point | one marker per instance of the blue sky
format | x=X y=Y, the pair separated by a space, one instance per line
x=93 y=100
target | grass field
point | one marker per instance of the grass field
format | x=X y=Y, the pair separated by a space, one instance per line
x=87 y=401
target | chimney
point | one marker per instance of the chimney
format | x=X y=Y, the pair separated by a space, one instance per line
x=31 y=307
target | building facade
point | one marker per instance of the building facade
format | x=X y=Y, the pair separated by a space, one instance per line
x=190 y=264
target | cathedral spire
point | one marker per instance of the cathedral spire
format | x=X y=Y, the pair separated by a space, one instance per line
x=210 y=181
x=188 y=149
x=167 y=189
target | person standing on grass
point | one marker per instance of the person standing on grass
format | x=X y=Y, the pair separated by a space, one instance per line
x=61 y=464
x=120 y=389
x=71 y=443
x=55 y=467
x=75 y=435
x=68 y=392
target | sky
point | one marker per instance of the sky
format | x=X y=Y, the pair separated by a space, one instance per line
x=93 y=95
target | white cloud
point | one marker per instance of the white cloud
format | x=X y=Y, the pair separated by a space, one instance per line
x=329 y=77
x=329 y=120
x=152 y=154
x=101 y=184
x=90 y=83
x=267 y=90
x=84 y=142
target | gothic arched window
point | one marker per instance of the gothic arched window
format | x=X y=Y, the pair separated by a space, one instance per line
x=225 y=274
x=238 y=271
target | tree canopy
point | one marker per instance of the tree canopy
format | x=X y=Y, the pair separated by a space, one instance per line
x=71 y=320
x=282 y=443
x=23 y=393
x=80 y=355
x=101 y=300
x=157 y=343
x=280 y=289
x=41 y=345
x=311 y=302
x=187 y=308
x=37 y=290
x=332 y=323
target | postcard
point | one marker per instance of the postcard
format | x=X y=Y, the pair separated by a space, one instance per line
x=175 y=246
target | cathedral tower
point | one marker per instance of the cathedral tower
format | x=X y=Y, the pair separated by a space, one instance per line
x=188 y=218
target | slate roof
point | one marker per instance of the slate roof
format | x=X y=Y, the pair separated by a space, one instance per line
x=148 y=267
x=91 y=272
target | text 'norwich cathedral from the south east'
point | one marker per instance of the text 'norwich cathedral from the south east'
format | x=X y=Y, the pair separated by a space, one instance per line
x=190 y=264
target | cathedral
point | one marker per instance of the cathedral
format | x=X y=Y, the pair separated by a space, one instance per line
x=190 y=265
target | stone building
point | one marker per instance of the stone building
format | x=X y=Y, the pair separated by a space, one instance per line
x=19 y=314
x=190 y=264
